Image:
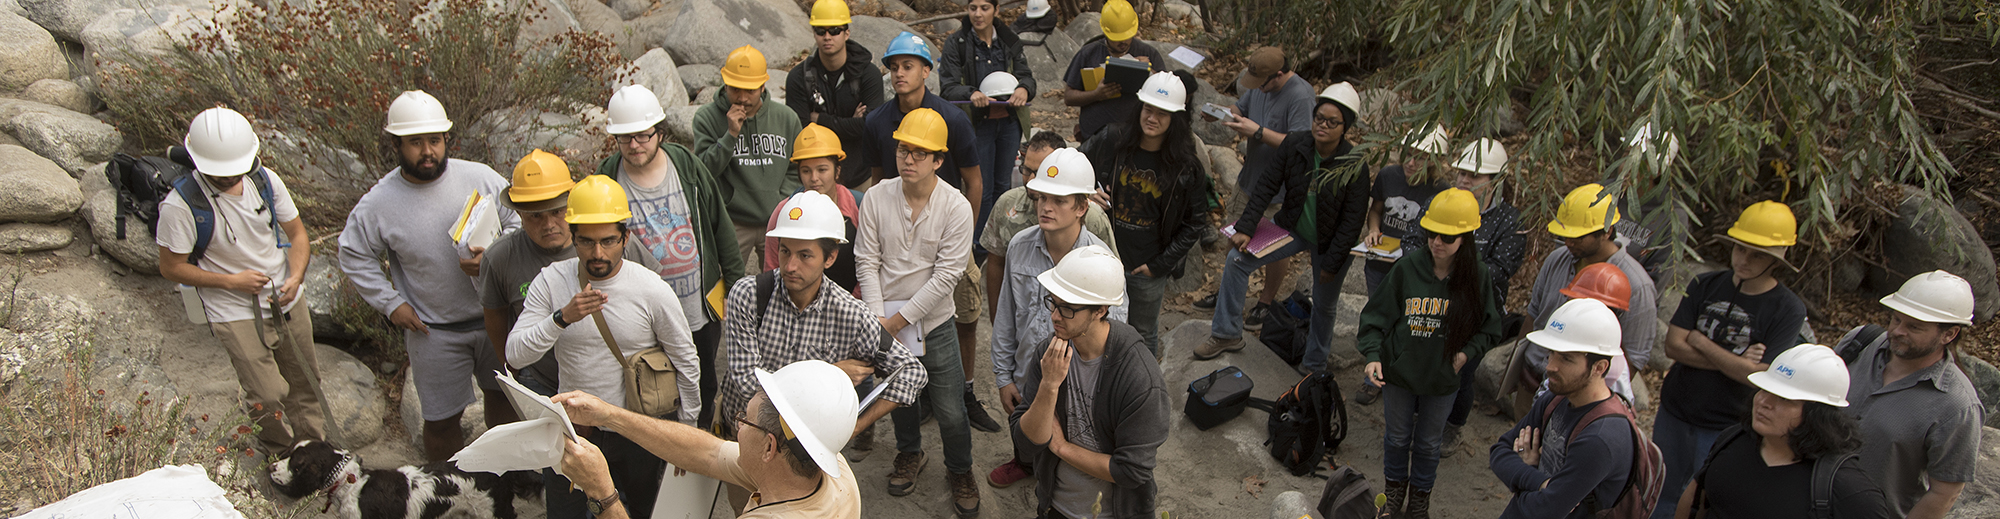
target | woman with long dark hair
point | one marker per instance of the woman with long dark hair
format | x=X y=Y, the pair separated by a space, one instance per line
x=1764 y=467
x=1434 y=310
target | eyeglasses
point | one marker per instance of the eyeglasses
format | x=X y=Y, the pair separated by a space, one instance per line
x=583 y=243
x=903 y=153
x=1328 y=122
x=1066 y=311
x=639 y=137
x=1448 y=239
x=829 y=31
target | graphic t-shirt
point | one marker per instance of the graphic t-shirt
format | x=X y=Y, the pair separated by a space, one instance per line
x=1715 y=309
x=1402 y=203
x=660 y=223
x=1136 y=208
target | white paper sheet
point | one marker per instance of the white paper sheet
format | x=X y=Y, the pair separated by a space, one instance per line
x=911 y=337
x=529 y=445
x=1187 y=57
x=480 y=228
x=687 y=496
x=530 y=405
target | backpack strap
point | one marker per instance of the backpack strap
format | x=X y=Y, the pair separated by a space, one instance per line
x=1721 y=441
x=603 y=330
x=1858 y=341
x=765 y=282
x=1824 y=469
x=262 y=177
x=193 y=194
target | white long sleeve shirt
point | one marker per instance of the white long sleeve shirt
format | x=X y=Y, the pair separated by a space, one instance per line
x=641 y=310
x=899 y=258
x=410 y=225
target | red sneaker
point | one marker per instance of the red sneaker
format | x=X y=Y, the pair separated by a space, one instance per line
x=1007 y=474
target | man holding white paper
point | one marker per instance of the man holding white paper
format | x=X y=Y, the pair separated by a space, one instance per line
x=407 y=218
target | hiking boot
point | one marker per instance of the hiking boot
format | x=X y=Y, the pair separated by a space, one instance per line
x=1450 y=445
x=1253 y=320
x=1007 y=474
x=904 y=479
x=964 y=494
x=976 y=413
x=1419 y=506
x=1396 y=492
x=1367 y=395
x=1214 y=347
x=1206 y=303
x=862 y=444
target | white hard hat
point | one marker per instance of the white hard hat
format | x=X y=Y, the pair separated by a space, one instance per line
x=1581 y=325
x=416 y=113
x=1435 y=142
x=816 y=401
x=1090 y=275
x=1935 y=297
x=1345 y=95
x=221 y=143
x=998 y=84
x=1164 y=91
x=1064 y=172
x=1806 y=372
x=1037 y=8
x=1484 y=156
x=1642 y=142
x=810 y=215
x=633 y=109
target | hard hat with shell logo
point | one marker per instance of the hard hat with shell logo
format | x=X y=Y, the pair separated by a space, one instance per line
x=810 y=215
x=1064 y=172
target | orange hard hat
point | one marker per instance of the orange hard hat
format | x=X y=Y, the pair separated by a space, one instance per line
x=1603 y=282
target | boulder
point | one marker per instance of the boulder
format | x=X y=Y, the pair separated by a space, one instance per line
x=1291 y=505
x=131 y=35
x=874 y=32
x=705 y=32
x=1179 y=10
x=680 y=123
x=1928 y=234
x=30 y=55
x=37 y=190
x=650 y=30
x=1986 y=380
x=699 y=76
x=776 y=85
x=656 y=70
x=1981 y=497
x=12 y=6
x=329 y=297
x=947 y=26
x=894 y=8
x=1166 y=49
x=39 y=329
x=1505 y=122
x=473 y=423
x=629 y=9
x=1492 y=372
x=27 y=237
x=352 y=395
x=1346 y=320
x=67 y=19
x=512 y=132
x=1212 y=132
x=72 y=140
x=1083 y=28
x=131 y=382
x=59 y=92
x=137 y=251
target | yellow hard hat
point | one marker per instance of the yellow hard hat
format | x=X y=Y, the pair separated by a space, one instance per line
x=1118 y=21
x=1583 y=212
x=1766 y=224
x=1453 y=212
x=539 y=177
x=817 y=141
x=745 y=69
x=924 y=128
x=830 y=13
x=597 y=199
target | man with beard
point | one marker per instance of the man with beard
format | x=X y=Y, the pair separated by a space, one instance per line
x=427 y=289
x=1572 y=454
x=836 y=87
x=1919 y=414
x=747 y=147
x=633 y=309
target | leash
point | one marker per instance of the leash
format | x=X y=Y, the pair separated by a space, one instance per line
x=285 y=334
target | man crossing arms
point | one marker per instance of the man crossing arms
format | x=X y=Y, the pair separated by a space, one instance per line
x=1552 y=470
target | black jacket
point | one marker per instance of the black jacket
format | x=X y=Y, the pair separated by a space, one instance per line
x=1342 y=186
x=955 y=68
x=1186 y=210
x=1132 y=414
x=810 y=89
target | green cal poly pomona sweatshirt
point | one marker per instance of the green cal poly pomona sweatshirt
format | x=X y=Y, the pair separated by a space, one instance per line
x=755 y=168
x=1403 y=327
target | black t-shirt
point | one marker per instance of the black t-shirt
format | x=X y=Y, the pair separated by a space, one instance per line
x=1093 y=117
x=1713 y=308
x=1737 y=484
x=1135 y=213
x=1402 y=205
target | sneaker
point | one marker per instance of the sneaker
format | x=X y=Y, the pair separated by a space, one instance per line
x=1253 y=320
x=1450 y=445
x=1007 y=474
x=1206 y=303
x=964 y=494
x=903 y=479
x=976 y=413
x=1214 y=347
x=1367 y=395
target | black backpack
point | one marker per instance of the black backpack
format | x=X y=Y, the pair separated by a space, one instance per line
x=1307 y=423
x=1857 y=341
x=1286 y=327
x=143 y=182
x=1347 y=495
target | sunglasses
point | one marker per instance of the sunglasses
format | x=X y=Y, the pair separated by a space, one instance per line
x=1448 y=239
x=829 y=31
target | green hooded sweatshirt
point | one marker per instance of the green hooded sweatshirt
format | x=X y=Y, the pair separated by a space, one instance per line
x=715 y=238
x=1403 y=327
x=755 y=169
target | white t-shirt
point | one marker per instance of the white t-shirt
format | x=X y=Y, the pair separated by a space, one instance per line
x=242 y=240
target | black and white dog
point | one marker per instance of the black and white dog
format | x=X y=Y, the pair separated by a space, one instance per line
x=432 y=491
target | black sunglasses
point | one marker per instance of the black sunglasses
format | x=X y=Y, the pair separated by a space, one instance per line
x=829 y=31
x=1449 y=239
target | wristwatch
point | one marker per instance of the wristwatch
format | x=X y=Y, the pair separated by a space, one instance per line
x=598 y=506
x=560 y=323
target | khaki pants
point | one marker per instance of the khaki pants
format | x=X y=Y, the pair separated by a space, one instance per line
x=750 y=240
x=273 y=374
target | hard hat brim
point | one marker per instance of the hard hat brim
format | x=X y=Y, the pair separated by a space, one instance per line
x=223 y=168
x=1579 y=294
x=1772 y=251
x=827 y=460
x=1070 y=294
x=1920 y=312
x=833 y=22
x=1776 y=386
x=417 y=128
x=783 y=233
x=1552 y=342
x=1557 y=228
x=1746 y=238
x=1444 y=229
x=560 y=201
x=1467 y=164
x=745 y=83
x=598 y=218
x=634 y=126
x=1046 y=186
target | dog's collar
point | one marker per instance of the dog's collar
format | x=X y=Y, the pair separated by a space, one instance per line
x=335 y=479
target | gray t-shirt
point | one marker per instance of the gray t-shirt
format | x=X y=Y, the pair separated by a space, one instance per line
x=661 y=223
x=1286 y=111
x=1639 y=324
x=511 y=264
x=1076 y=490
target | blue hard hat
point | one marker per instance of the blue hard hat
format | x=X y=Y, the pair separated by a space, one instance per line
x=910 y=44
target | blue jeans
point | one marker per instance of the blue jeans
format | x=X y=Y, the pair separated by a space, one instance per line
x=1461 y=407
x=998 y=140
x=1144 y=294
x=946 y=396
x=1330 y=271
x=1228 y=322
x=1684 y=447
x=1412 y=435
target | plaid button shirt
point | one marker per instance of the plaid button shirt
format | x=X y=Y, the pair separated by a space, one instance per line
x=833 y=328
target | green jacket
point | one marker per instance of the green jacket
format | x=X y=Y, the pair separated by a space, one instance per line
x=721 y=260
x=756 y=168
x=1403 y=327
